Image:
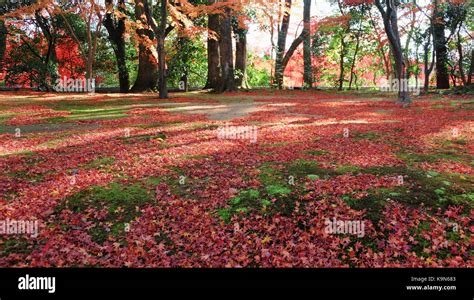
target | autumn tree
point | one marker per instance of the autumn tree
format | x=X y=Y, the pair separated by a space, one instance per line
x=240 y=33
x=91 y=12
x=3 y=39
x=147 y=76
x=308 y=67
x=163 y=89
x=442 y=75
x=115 y=22
x=227 y=82
x=283 y=57
x=41 y=17
x=213 y=61
x=456 y=14
x=389 y=12
x=221 y=75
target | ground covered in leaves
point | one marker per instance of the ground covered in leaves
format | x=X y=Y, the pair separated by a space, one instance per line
x=135 y=181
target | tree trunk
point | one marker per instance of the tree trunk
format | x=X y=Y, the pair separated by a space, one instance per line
x=241 y=59
x=471 y=69
x=3 y=40
x=227 y=82
x=354 y=60
x=47 y=30
x=461 y=58
x=161 y=50
x=292 y=50
x=213 y=59
x=282 y=34
x=342 y=50
x=428 y=69
x=182 y=47
x=147 y=55
x=442 y=75
x=308 y=68
x=390 y=21
x=116 y=30
x=341 y=63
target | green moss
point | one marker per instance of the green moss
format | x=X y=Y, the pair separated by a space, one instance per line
x=316 y=152
x=28 y=176
x=277 y=190
x=344 y=169
x=270 y=173
x=159 y=124
x=357 y=135
x=100 y=162
x=121 y=202
x=4 y=117
x=313 y=176
x=373 y=203
x=15 y=245
x=144 y=137
x=430 y=188
x=258 y=201
x=225 y=214
x=204 y=126
x=453 y=150
x=302 y=168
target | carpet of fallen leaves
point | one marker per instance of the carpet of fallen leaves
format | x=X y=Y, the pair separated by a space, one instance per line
x=119 y=181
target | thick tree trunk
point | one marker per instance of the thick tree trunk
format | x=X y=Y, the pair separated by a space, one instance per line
x=147 y=77
x=213 y=59
x=116 y=30
x=241 y=59
x=280 y=50
x=161 y=50
x=124 y=79
x=47 y=78
x=227 y=82
x=3 y=40
x=308 y=68
x=442 y=75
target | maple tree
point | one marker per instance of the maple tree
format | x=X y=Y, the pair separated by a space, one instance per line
x=138 y=24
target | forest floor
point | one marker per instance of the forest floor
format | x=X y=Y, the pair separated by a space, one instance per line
x=319 y=179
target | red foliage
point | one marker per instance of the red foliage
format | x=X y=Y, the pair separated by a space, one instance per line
x=181 y=228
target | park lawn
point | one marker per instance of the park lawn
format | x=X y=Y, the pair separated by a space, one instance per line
x=132 y=180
